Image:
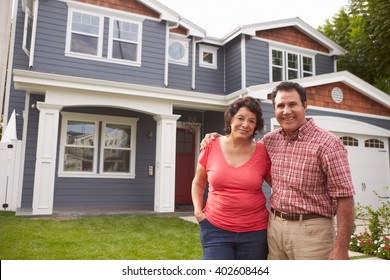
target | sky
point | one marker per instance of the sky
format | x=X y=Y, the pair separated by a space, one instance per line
x=219 y=17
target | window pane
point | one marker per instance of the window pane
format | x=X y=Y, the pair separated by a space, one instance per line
x=80 y=133
x=277 y=74
x=78 y=159
x=208 y=57
x=122 y=50
x=125 y=31
x=84 y=44
x=277 y=58
x=29 y=33
x=117 y=136
x=116 y=160
x=307 y=64
x=85 y=23
x=292 y=61
x=176 y=51
x=292 y=74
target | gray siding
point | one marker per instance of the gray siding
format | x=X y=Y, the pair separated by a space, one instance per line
x=50 y=49
x=257 y=62
x=77 y=192
x=324 y=64
x=211 y=80
x=30 y=155
x=233 y=65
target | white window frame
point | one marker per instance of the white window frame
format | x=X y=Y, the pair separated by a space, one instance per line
x=286 y=52
x=100 y=121
x=137 y=61
x=209 y=49
x=303 y=71
x=28 y=14
x=184 y=41
x=68 y=51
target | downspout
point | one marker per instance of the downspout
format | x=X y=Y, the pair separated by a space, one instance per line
x=10 y=63
x=34 y=33
x=194 y=43
x=168 y=29
x=243 y=62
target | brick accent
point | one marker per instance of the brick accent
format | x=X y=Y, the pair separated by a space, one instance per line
x=180 y=30
x=291 y=36
x=131 y=6
x=353 y=100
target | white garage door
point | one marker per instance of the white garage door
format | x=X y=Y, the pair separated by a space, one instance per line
x=369 y=161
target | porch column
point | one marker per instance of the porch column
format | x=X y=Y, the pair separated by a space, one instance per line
x=164 y=186
x=43 y=193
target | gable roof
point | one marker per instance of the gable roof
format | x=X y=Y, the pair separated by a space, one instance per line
x=261 y=91
x=174 y=18
x=251 y=29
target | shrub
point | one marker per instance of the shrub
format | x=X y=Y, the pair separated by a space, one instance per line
x=374 y=240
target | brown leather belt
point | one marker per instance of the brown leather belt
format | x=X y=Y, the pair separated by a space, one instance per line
x=295 y=217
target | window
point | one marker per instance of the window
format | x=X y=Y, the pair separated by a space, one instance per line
x=374 y=143
x=288 y=65
x=28 y=26
x=349 y=141
x=178 y=49
x=85 y=33
x=125 y=38
x=208 y=56
x=97 y=146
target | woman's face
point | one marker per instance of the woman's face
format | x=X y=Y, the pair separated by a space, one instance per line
x=243 y=123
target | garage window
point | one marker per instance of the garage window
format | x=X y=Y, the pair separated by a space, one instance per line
x=349 y=141
x=374 y=143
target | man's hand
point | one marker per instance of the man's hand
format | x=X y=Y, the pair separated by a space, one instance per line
x=208 y=138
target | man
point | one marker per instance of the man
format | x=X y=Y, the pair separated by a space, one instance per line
x=311 y=183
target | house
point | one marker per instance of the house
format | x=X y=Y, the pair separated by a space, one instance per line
x=113 y=97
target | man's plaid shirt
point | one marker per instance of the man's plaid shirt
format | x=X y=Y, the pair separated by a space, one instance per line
x=308 y=171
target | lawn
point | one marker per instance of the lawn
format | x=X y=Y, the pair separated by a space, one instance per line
x=98 y=238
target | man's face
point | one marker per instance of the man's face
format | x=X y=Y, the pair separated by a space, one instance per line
x=289 y=111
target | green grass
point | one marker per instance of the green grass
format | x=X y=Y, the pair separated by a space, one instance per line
x=98 y=238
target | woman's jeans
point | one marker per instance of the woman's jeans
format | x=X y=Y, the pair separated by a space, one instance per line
x=219 y=244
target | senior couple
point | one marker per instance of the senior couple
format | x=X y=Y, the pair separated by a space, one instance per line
x=311 y=185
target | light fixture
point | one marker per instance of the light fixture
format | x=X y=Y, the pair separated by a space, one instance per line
x=191 y=125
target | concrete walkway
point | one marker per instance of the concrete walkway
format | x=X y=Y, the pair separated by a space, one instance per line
x=350 y=253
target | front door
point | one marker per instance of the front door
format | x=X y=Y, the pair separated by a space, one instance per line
x=185 y=165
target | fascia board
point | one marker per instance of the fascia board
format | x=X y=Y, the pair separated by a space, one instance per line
x=41 y=82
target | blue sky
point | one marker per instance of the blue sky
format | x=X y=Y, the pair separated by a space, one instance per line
x=219 y=17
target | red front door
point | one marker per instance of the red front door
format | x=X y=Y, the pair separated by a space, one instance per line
x=185 y=166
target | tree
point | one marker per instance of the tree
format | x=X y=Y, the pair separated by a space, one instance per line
x=362 y=28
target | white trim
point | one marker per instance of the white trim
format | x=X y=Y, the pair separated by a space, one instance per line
x=33 y=33
x=107 y=12
x=40 y=82
x=285 y=68
x=137 y=61
x=261 y=91
x=98 y=138
x=342 y=125
x=69 y=33
x=243 y=61
x=210 y=49
x=184 y=42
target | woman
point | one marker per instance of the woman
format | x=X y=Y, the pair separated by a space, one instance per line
x=233 y=223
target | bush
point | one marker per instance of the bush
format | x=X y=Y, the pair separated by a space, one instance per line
x=374 y=240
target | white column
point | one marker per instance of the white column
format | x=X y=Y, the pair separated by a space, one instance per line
x=43 y=194
x=164 y=188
